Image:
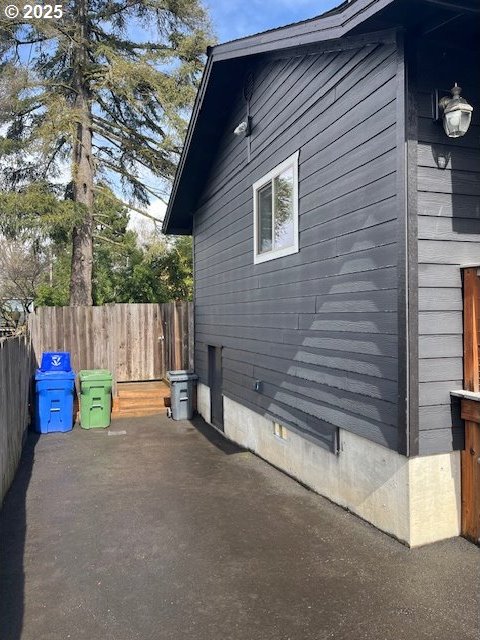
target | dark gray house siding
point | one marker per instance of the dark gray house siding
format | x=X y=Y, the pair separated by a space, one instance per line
x=318 y=328
x=448 y=233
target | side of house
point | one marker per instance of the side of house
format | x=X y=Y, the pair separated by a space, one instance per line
x=327 y=244
x=306 y=346
x=448 y=205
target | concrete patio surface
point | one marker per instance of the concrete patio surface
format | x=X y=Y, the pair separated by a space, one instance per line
x=162 y=530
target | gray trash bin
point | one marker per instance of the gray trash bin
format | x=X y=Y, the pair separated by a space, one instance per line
x=182 y=385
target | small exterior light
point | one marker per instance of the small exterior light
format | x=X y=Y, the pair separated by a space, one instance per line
x=441 y=155
x=240 y=130
x=442 y=162
x=244 y=129
x=456 y=112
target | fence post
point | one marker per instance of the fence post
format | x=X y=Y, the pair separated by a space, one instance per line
x=191 y=336
x=470 y=456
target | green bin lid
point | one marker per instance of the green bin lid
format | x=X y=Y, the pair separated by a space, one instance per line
x=94 y=374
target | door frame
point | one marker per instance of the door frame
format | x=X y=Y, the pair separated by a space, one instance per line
x=470 y=406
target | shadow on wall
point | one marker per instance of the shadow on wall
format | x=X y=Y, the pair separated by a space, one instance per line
x=344 y=371
x=13 y=527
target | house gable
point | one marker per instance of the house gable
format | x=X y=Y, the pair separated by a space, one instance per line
x=223 y=75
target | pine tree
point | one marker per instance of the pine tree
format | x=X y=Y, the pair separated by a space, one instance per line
x=103 y=90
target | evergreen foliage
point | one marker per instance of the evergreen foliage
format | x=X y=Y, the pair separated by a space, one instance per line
x=93 y=100
x=125 y=269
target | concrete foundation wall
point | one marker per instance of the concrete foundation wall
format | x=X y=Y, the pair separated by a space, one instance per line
x=416 y=500
x=203 y=402
x=435 y=497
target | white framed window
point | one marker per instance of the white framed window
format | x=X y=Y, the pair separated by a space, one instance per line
x=275 y=212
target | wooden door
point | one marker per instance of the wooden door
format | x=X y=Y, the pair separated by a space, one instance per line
x=215 y=383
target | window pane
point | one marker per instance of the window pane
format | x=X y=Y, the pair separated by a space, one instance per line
x=265 y=218
x=283 y=186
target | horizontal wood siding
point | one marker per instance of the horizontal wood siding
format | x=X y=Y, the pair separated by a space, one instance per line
x=448 y=236
x=318 y=328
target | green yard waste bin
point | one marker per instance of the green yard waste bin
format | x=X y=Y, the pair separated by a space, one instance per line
x=95 y=398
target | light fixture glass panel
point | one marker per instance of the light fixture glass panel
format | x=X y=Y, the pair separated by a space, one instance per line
x=456 y=123
x=265 y=218
x=283 y=210
x=465 y=121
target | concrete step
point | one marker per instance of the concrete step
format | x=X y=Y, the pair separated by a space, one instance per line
x=140 y=399
x=144 y=397
x=133 y=412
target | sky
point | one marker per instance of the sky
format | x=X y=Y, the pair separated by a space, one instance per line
x=238 y=18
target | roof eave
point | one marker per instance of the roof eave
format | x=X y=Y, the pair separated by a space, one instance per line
x=327 y=27
x=188 y=138
x=331 y=26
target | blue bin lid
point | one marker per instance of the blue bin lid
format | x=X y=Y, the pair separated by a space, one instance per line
x=60 y=375
x=55 y=361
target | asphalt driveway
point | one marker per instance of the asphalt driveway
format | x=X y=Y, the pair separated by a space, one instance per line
x=162 y=530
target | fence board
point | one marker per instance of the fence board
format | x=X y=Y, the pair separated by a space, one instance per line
x=178 y=335
x=136 y=342
x=15 y=377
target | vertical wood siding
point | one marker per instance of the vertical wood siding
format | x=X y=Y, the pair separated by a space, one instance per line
x=318 y=328
x=15 y=377
x=448 y=236
x=136 y=342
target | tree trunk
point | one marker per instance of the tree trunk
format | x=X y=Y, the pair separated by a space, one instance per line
x=83 y=168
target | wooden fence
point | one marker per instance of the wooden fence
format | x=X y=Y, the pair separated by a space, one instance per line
x=15 y=383
x=136 y=342
x=178 y=335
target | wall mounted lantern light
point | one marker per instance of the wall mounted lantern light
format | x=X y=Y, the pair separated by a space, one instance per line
x=454 y=111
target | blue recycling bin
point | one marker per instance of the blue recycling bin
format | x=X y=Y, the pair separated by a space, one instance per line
x=54 y=391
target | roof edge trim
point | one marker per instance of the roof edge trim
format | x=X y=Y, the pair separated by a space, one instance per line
x=323 y=27
x=188 y=138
